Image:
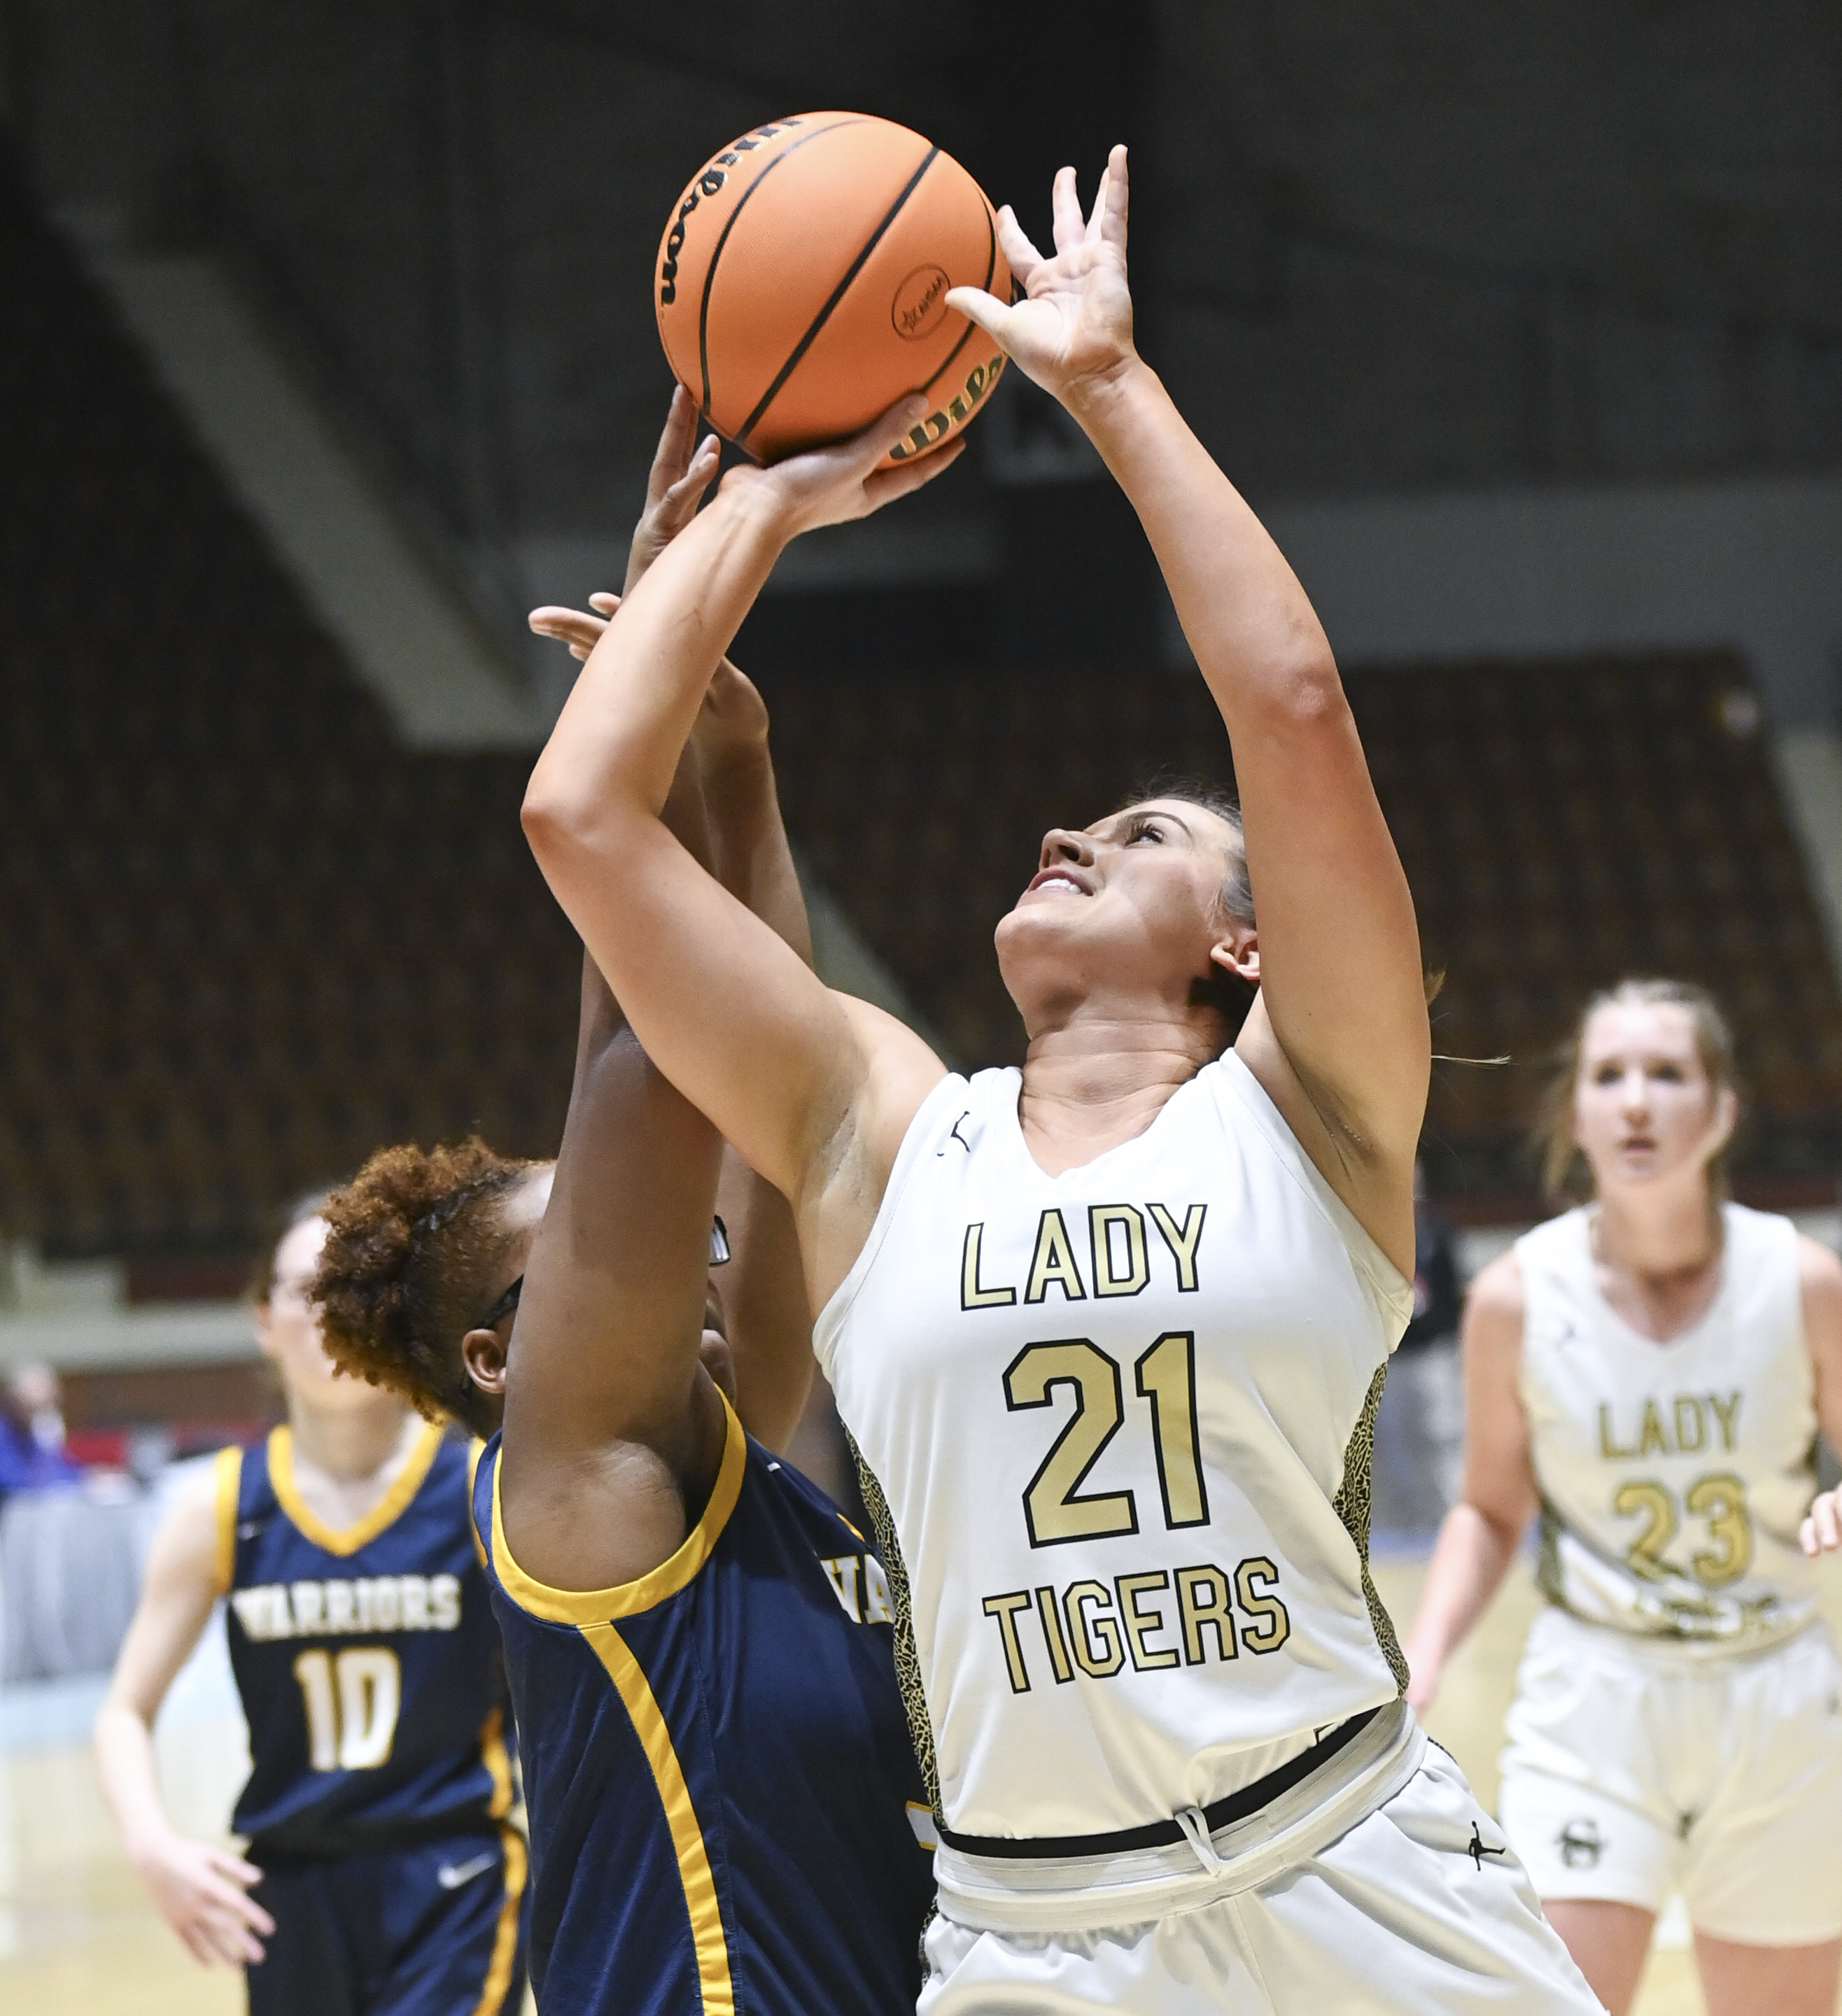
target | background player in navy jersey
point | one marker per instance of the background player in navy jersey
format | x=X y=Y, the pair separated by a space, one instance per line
x=725 y=1809
x=383 y=1878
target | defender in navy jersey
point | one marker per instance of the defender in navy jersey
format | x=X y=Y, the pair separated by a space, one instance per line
x=383 y=1876
x=727 y=1814
x=747 y=1685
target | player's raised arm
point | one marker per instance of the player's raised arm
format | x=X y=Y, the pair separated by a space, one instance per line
x=786 y=1071
x=1341 y=1039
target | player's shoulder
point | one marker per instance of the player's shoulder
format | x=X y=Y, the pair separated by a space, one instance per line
x=1499 y=1293
x=1819 y=1277
x=197 y=1535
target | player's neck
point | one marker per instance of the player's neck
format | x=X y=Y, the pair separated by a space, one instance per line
x=1100 y=1079
x=1658 y=1232
x=351 y=1448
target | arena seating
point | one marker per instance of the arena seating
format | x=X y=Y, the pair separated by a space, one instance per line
x=246 y=937
x=1561 y=825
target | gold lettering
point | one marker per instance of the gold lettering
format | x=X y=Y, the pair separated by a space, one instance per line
x=1051 y=1616
x=1004 y=1608
x=1275 y=1626
x=971 y=1295
x=1652 y=1436
x=1053 y=1261
x=1101 y=1220
x=1607 y=1447
x=1084 y=1629
x=1691 y=1424
x=1727 y=1413
x=1182 y=1240
x=1139 y=1626
x=1202 y=1605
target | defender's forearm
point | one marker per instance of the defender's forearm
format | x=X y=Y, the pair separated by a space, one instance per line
x=616 y=745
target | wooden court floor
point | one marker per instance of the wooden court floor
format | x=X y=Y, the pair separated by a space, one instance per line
x=77 y=1938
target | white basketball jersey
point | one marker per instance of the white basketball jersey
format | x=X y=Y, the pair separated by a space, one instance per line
x=1672 y=1476
x=1119 y=1421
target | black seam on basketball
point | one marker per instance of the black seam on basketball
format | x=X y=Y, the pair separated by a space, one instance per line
x=723 y=239
x=838 y=294
x=970 y=330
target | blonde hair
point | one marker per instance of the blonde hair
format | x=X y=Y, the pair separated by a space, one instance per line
x=1564 y=1170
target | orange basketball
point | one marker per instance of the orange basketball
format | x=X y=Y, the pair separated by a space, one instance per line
x=802 y=279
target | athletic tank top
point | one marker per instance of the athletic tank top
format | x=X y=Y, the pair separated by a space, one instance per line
x=1672 y=1476
x=366 y=1657
x=1117 y=1426
x=726 y=1813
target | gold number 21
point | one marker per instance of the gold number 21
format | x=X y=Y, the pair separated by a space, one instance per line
x=1055 y=1508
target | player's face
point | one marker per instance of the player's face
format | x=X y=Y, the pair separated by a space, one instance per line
x=1132 y=904
x=288 y=1329
x=1644 y=1108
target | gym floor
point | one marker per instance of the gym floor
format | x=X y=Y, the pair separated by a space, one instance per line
x=77 y=1937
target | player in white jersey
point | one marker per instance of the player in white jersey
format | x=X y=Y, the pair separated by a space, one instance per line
x=1648 y=1372
x=1109 y=1333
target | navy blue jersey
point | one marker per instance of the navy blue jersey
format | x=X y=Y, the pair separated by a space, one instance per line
x=726 y=1811
x=367 y=1658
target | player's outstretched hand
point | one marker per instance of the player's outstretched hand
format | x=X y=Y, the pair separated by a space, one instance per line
x=576 y=628
x=1821 y=1532
x=682 y=469
x=831 y=486
x=201 y=1892
x=734 y=716
x=1072 y=330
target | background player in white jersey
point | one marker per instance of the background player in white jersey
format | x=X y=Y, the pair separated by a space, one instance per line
x=1649 y=1370
x=1157 y=1702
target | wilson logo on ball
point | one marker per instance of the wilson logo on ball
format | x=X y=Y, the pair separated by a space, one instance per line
x=920 y=302
x=801 y=283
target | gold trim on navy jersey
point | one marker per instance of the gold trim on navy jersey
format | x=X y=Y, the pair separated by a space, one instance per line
x=346 y=1540
x=228 y=1478
x=716 y=1989
x=475 y=1449
x=505 y=1940
x=499 y=1765
x=627 y=1599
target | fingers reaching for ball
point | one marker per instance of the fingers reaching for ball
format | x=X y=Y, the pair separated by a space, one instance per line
x=682 y=470
x=832 y=485
x=1072 y=330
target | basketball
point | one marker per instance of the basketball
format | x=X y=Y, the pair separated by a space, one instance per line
x=802 y=279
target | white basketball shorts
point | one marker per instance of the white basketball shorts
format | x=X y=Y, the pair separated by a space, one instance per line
x=1414 y=1905
x=1635 y=1768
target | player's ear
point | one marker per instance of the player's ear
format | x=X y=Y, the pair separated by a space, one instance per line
x=482 y=1351
x=1239 y=952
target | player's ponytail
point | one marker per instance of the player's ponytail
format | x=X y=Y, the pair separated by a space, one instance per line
x=410 y=1242
x=1564 y=1175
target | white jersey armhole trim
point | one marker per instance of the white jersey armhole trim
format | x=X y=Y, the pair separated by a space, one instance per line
x=1393 y=1288
x=832 y=1318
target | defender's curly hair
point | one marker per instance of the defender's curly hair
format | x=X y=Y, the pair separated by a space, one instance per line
x=411 y=1242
